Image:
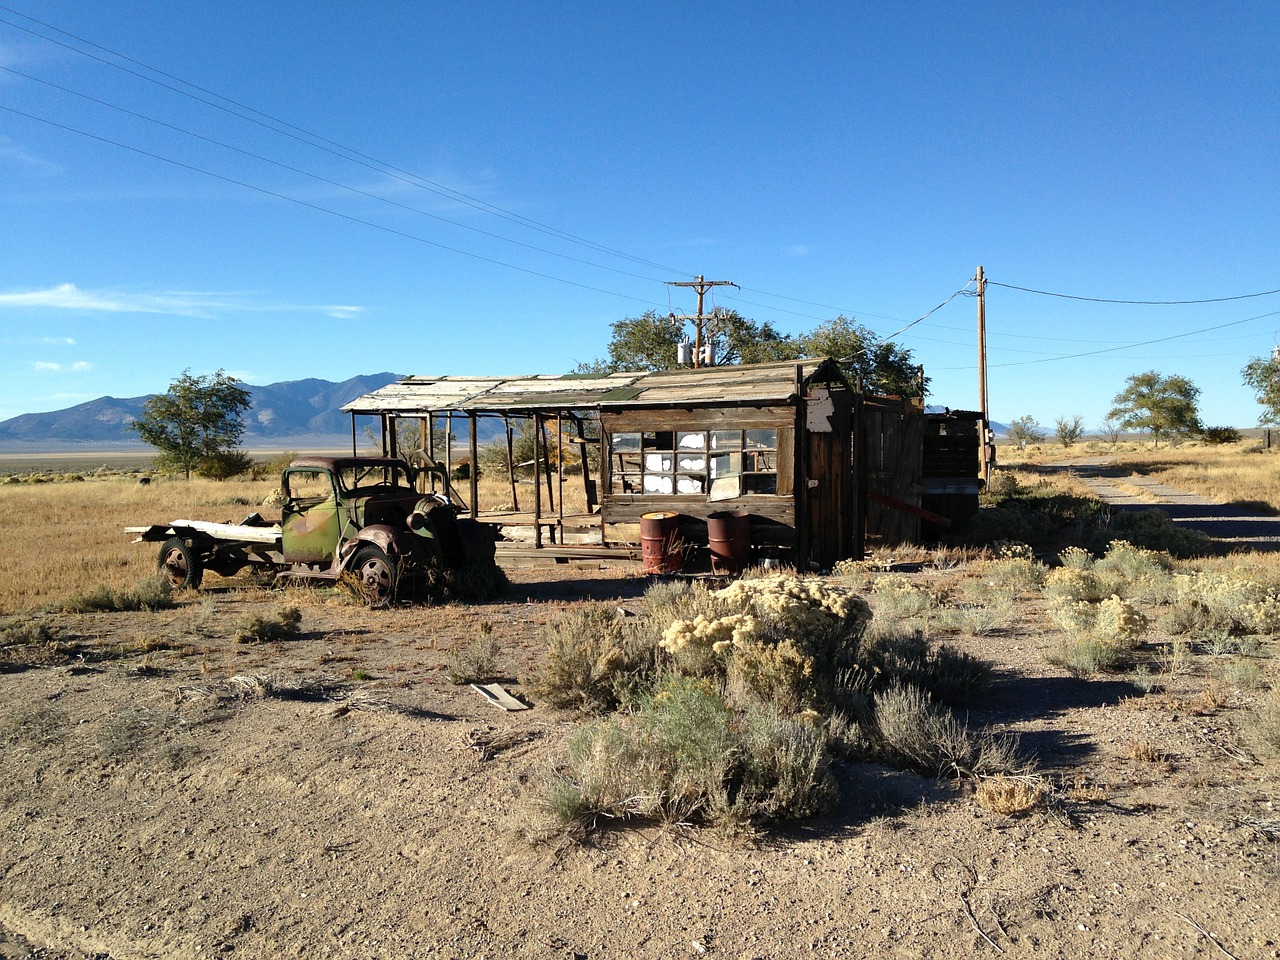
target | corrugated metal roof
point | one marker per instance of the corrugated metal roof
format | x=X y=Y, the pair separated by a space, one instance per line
x=746 y=383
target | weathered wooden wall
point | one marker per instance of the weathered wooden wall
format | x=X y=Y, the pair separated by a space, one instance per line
x=890 y=444
x=951 y=464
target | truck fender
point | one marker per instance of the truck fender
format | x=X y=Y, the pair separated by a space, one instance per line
x=392 y=542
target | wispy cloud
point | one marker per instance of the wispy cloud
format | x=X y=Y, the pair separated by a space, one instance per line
x=79 y=366
x=18 y=155
x=57 y=341
x=183 y=303
x=798 y=250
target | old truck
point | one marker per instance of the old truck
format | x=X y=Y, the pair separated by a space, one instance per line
x=364 y=516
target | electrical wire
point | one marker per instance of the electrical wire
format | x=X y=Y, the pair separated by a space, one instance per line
x=317 y=207
x=1143 y=343
x=1143 y=303
x=324 y=180
x=316 y=141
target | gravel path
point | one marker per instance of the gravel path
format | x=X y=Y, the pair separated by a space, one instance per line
x=1232 y=524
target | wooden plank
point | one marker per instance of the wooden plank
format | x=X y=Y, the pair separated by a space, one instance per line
x=495 y=694
x=219 y=531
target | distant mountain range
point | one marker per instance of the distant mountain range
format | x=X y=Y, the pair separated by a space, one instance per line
x=298 y=413
x=279 y=412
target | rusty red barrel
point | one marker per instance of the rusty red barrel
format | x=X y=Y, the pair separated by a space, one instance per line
x=660 y=546
x=729 y=536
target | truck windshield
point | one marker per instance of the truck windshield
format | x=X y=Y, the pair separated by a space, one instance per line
x=373 y=474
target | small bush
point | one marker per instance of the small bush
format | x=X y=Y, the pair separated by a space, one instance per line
x=904 y=659
x=682 y=757
x=1133 y=563
x=1087 y=656
x=1074 y=584
x=259 y=629
x=594 y=661
x=1260 y=727
x=1076 y=558
x=1011 y=796
x=1154 y=530
x=478 y=660
x=917 y=734
x=151 y=593
x=897 y=598
x=1216 y=436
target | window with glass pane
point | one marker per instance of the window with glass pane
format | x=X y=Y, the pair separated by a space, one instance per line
x=665 y=462
x=626 y=464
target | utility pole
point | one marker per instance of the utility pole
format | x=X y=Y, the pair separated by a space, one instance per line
x=701 y=285
x=988 y=445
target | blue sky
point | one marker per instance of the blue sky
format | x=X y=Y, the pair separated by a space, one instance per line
x=327 y=189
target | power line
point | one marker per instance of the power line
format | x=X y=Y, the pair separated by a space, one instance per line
x=1144 y=343
x=1144 y=303
x=321 y=179
x=317 y=207
x=316 y=141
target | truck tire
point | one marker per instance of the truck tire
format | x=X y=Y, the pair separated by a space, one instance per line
x=180 y=564
x=377 y=574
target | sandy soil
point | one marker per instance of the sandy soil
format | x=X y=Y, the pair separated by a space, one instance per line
x=148 y=809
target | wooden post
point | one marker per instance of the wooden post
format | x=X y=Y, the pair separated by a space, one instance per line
x=474 y=472
x=546 y=469
x=537 y=483
x=431 y=445
x=511 y=466
x=586 y=466
x=982 y=373
x=448 y=451
x=560 y=471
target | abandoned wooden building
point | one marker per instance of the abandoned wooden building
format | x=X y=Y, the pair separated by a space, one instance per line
x=781 y=461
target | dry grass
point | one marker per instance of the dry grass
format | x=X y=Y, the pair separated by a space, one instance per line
x=63 y=539
x=68 y=538
x=1011 y=796
x=1228 y=473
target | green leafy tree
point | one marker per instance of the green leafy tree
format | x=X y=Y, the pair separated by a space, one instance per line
x=1025 y=430
x=648 y=343
x=1262 y=375
x=1159 y=405
x=1068 y=430
x=881 y=366
x=739 y=340
x=198 y=421
x=643 y=343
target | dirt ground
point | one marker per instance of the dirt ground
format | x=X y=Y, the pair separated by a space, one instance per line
x=150 y=808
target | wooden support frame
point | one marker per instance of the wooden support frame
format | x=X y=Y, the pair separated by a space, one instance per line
x=511 y=466
x=474 y=472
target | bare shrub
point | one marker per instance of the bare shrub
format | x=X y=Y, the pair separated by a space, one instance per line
x=150 y=593
x=594 y=661
x=478 y=660
x=40 y=726
x=1260 y=726
x=916 y=733
x=683 y=758
x=1011 y=796
x=284 y=625
x=1086 y=656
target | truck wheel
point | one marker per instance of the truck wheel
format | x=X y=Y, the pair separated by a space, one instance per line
x=376 y=573
x=180 y=564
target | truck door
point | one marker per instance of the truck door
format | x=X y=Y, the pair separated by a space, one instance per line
x=309 y=524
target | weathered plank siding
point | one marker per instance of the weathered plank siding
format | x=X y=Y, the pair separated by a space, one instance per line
x=892 y=431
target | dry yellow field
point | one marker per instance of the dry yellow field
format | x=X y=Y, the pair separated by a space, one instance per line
x=63 y=538
x=1229 y=473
